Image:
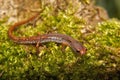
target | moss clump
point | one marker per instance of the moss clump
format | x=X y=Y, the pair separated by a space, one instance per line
x=103 y=50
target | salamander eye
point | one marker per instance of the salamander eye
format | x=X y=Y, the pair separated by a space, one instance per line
x=78 y=51
x=85 y=49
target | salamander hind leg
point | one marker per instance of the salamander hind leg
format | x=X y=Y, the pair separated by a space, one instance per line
x=38 y=45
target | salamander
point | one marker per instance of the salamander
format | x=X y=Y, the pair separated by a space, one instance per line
x=76 y=46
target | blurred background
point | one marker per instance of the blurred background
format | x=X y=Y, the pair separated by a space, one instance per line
x=112 y=7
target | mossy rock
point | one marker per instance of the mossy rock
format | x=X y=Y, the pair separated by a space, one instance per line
x=101 y=59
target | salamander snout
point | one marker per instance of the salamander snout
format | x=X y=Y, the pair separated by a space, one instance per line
x=79 y=48
x=83 y=51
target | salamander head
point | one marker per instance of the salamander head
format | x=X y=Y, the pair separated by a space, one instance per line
x=78 y=48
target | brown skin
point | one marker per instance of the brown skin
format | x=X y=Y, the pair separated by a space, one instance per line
x=76 y=46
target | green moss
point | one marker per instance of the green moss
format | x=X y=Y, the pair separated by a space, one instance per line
x=101 y=60
x=103 y=49
x=21 y=61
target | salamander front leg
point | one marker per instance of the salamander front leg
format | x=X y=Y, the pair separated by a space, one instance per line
x=64 y=45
